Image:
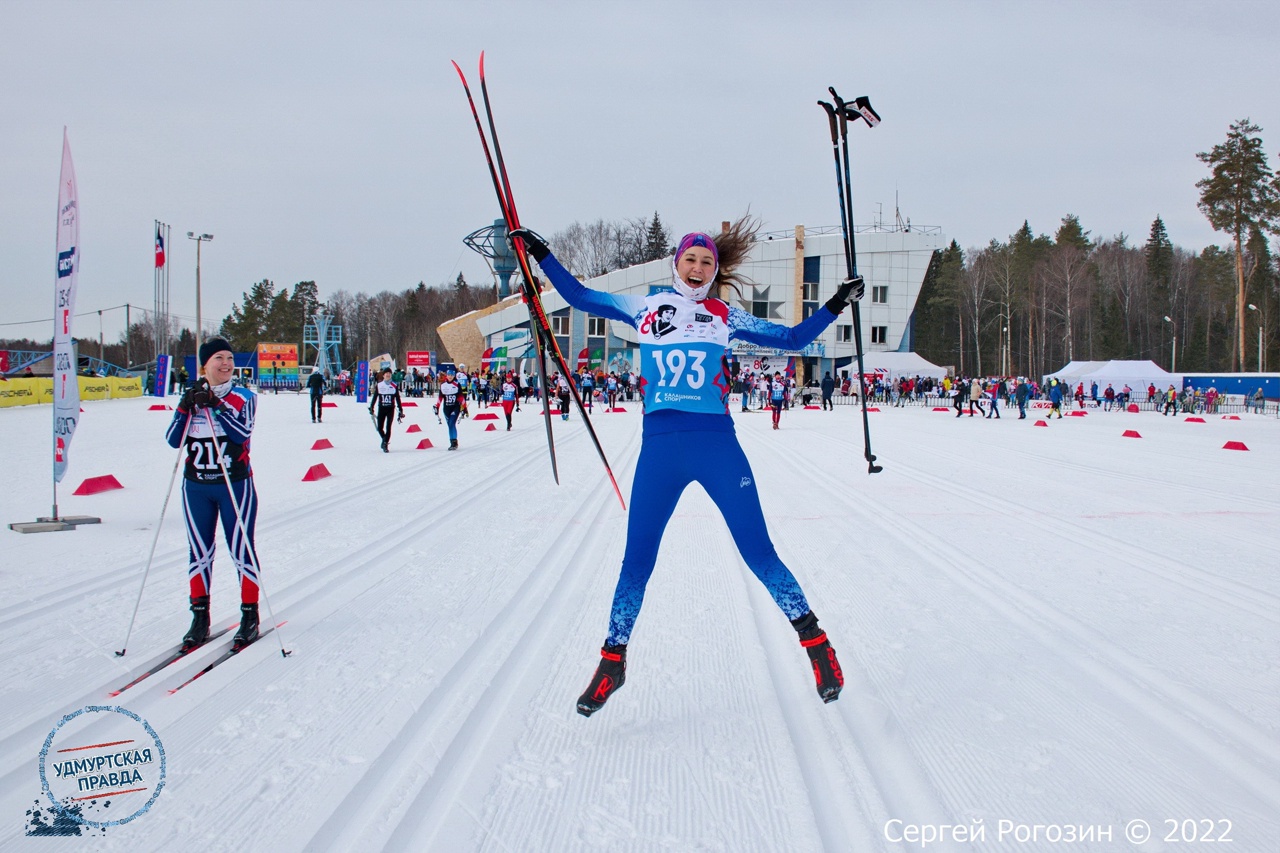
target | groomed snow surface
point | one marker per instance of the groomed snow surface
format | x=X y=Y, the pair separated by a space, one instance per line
x=1054 y=626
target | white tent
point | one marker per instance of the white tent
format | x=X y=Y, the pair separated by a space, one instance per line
x=1136 y=374
x=1071 y=374
x=896 y=364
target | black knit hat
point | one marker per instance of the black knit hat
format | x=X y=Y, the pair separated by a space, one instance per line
x=212 y=346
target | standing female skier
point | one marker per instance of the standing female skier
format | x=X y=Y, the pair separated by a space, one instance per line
x=450 y=404
x=688 y=433
x=385 y=403
x=206 y=494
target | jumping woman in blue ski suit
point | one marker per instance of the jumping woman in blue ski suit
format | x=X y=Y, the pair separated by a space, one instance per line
x=689 y=434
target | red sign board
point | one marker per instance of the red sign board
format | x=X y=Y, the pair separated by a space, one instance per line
x=419 y=359
x=4 y=361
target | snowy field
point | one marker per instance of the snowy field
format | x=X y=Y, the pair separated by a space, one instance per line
x=1045 y=633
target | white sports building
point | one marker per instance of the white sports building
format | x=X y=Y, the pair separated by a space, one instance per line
x=794 y=274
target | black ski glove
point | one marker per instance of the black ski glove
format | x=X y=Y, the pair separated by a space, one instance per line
x=202 y=394
x=533 y=243
x=400 y=419
x=187 y=403
x=850 y=290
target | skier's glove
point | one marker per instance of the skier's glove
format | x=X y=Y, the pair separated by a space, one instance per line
x=187 y=403
x=400 y=419
x=850 y=290
x=202 y=394
x=535 y=245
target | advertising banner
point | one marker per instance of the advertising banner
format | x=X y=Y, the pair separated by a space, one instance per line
x=66 y=391
x=278 y=365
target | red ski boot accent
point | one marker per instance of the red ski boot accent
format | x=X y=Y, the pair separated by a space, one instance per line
x=609 y=676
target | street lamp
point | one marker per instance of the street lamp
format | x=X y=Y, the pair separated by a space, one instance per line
x=199 y=238
x=1173 y=357
x=1253 y=307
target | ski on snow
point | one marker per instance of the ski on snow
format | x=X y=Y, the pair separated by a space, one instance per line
x=172 y=658
x=222 y=658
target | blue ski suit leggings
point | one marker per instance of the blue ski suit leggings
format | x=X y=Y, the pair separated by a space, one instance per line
x=203 y=504
x=668 y=463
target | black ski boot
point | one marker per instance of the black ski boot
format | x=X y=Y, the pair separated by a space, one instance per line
x=248 y=627
x=199 y=623
x=610 y=675
x=453 y=444
x=826 y=669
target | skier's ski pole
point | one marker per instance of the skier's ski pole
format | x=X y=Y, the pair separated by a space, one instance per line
x=242 y=529
x=151 y=554
x=837 y=118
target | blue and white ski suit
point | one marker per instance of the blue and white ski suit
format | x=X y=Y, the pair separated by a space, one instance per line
x=688 y=434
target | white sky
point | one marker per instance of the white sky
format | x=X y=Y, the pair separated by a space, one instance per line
x=331 y=141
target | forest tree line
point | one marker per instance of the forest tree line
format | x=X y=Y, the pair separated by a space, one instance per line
x=1030 y=304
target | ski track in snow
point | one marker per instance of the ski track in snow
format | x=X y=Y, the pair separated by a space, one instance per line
x=1053 y=626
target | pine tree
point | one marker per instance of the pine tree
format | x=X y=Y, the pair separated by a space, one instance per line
x=1240 y=195
x=657 y=240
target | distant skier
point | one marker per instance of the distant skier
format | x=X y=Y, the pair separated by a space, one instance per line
x=509 y=395
x=562 y=394
x=1020 y=396
x=315 y=384
x=777 y=397
x=384 y=405
x=688 y=433
x=449 y=403
x=1055 y=399
x=206 y=495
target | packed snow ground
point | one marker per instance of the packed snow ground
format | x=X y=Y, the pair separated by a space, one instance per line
x=1055 y=626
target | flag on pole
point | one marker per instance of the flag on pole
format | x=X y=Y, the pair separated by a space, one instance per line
x=66 y=388
x=159 y=248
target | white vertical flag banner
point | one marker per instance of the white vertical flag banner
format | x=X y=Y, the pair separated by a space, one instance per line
x=66 y=387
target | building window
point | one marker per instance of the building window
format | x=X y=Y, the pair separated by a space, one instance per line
x=812 y=267
x=880 y=294
x=811 y=291
x=879 y=334
x=760 y=309
x=844 y=334
x=808 y=309
x=560 y=325
x=595 y=327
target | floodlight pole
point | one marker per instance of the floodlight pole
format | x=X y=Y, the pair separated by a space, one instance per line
x=201 y=238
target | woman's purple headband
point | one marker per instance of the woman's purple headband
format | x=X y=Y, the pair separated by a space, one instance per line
x=697 y=238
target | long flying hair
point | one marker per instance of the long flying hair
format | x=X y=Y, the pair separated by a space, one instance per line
x=732 y=246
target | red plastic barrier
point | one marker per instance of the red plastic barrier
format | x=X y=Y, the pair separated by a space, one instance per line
x=941 y=409
x=485 y=416
x=1131 y=433
x=1041 y=423
x=1195 y=420
x=1234 y=445
x=94 y=485
x=616 y=409
x=1231 y=417
x=425 y=444
x=1079 y=413
x=490 y=428
x=414 y=428
x=329 y=405
x=1133 y=409
x=155 y=407
x=813 y=407
x=316 y=472
x=873 y=409
x=322 y=444
x=409 y=404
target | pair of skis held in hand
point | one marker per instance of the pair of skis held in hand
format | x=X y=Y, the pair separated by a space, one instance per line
x=839 y=115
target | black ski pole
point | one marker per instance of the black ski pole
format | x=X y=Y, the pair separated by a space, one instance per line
x=838 y=118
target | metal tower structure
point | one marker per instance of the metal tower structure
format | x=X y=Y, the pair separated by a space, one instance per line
x=491 y=244
x=326 y=338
